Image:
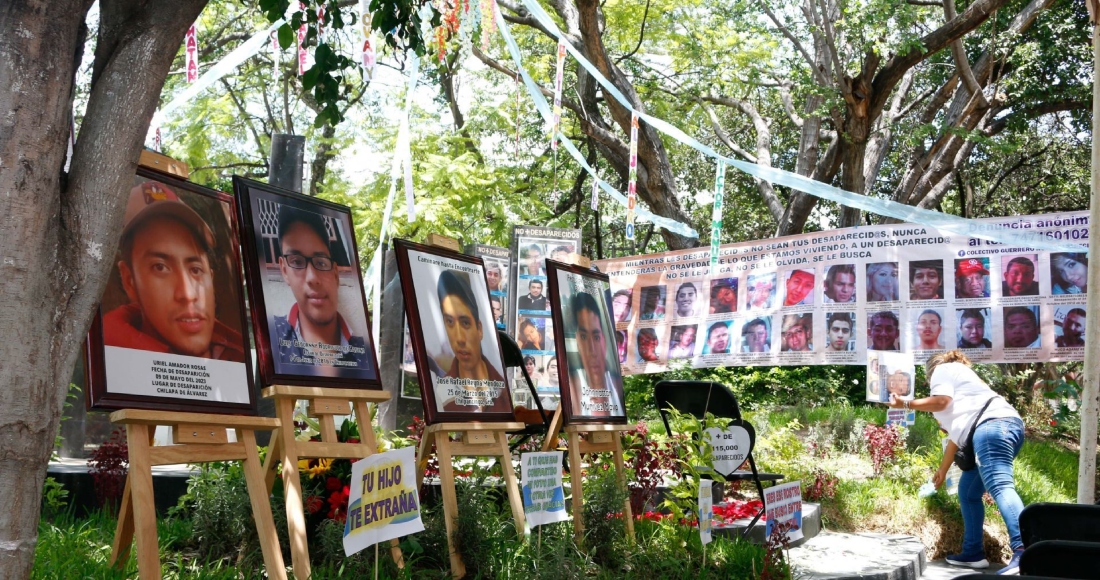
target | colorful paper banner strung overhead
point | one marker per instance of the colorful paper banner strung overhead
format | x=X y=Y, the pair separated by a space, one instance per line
x=716 y=215
x=192 y=51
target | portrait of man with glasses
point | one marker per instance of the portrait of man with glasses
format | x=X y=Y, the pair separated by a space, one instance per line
x=313 y=332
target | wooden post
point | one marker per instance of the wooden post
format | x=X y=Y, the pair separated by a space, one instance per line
x=595 y=438
x=202 y=439
x=324 y=403
x=475 y=440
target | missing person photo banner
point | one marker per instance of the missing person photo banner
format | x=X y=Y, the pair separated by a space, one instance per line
x=455 y=346
x=309 y=306
x=828 y=297
x=527 y=310
x=170 y=333
x=589 y=371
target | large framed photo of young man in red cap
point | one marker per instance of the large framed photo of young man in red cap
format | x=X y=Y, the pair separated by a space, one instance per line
x=591 y=379
x=309 y=309
x=459 y=361
x=170 y=332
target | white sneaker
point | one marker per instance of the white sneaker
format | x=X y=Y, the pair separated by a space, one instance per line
x=968 y=562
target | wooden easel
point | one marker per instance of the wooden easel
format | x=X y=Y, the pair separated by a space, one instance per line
x=200 y=438
x=590 y=438
x=474 y=440
x=324 y=403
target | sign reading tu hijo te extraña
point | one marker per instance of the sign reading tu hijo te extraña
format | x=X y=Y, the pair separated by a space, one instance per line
x=383 y=503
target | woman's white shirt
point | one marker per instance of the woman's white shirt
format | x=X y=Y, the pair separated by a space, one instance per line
x=968 y=395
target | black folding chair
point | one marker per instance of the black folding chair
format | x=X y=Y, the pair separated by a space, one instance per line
x=697 y=398
x=1062 y=559
x=513 y=357
x=1060 y=521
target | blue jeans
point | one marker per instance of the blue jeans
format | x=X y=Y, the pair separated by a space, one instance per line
x=996 y=444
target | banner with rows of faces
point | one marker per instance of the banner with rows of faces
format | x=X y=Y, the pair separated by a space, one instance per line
x=828 y=297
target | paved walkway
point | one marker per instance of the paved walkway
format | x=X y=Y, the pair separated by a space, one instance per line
x=870 y=556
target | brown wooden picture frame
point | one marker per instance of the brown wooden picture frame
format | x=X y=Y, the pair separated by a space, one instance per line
x=428 y=367
x=98 y=394
x=569 y=360
x=258 y=210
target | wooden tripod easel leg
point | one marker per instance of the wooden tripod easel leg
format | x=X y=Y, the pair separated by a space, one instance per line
x=511 y=484
x=620 y=476
x=261 y=506
x=292 y=489
x=450 y=500
x=575 y=479
x=144 y=510
x=274 y=455
x=124 y=531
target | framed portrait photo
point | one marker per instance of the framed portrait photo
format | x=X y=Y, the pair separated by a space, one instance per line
x=309 y=310
x=170 y=333
x=590 y=377
x=454 y=339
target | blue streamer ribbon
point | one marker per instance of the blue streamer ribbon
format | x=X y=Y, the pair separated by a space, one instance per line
x=908 y=213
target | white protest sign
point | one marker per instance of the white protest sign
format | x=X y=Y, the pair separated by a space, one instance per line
x=383 y=503
x=543 y=496
x=783 y=504
x=731 y=447
x=706 y=510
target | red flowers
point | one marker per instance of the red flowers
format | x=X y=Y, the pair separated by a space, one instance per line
x=338 y=504
x=314 y=504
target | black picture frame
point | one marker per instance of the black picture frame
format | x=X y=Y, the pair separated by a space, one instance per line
x=284 y=357
x=570 y=360
x=422 y=258
x=125 y=352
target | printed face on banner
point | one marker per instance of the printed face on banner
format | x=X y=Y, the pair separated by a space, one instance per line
x=595 y=382
x=718 y=338
x=840 y=331
x=312 y=295
x=760 y=291
x=454 y=319
x=620 y=304
x=1021 y=327
x=723 y=295
x=882 y=282
x=926 y=280
x=171 y=316
x=1069 y=273
x=687 y=294
x=647 y=345
x=653 y=303
x=682 y=342
x=755 y=335
x=972 y=278
x=797 y=333
x=974 y=326
x=883 y=330
x=927 y=327
x=1019 y=274
x=1069 y=326
x=799 y=288
x=840 y=284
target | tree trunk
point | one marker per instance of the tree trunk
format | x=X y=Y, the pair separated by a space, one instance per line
x=58 y=237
